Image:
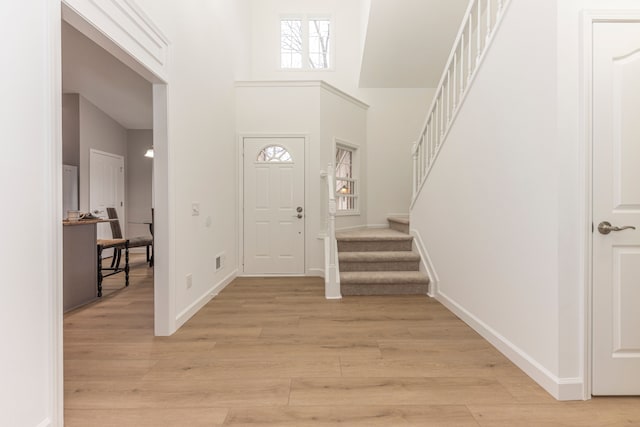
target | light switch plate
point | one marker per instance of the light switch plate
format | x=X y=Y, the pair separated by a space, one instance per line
x=195 y=208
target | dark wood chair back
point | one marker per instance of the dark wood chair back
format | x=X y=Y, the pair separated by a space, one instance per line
x=116 y=231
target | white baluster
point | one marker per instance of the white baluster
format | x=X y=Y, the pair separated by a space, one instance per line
x=470 y=39
x=415 y=169
x=461 y=64
x=488 y=20
x=455 y=81
x=442 y=117
x=499 y=11
x=448 y=98
x=479 y=30
x=421 y=161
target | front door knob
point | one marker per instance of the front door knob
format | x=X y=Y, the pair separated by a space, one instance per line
x=605 y=227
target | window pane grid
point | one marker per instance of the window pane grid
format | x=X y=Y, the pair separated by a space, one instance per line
x=346 y=184
x=274 y=154
x=291 y=43
x=344 y=162
x=319 y=46
x=305 y=43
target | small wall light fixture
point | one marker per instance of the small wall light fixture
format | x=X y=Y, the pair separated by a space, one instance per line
x=149 y=152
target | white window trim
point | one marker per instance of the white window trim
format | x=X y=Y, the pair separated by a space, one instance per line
x=305 y=18
x=355 y=172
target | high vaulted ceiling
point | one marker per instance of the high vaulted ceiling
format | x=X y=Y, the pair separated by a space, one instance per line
x=106 y=82
x=407 y=44
x=409 y=41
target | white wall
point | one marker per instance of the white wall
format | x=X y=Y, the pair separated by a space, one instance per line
x=32 y=217
x=571 y=178
x=395 y=115
x=346 y=121
x=275 y=109
x=202 y=156
x=138 y=182
x=395 y=118
x=491 y=203
x=347 y=20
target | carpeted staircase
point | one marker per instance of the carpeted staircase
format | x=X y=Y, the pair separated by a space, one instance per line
x=380 y=261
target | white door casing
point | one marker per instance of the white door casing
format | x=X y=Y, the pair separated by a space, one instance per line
x=274 y=205
x=106 y=188
x=616 y=199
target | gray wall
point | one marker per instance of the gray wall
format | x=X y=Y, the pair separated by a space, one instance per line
x=138 y=182
x=71 y=129
x=86 y=127
x=97 y=131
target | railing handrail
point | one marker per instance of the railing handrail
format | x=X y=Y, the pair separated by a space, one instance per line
x=479 y=24
x=443 y=77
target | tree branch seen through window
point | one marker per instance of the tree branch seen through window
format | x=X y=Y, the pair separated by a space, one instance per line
x=310 y=49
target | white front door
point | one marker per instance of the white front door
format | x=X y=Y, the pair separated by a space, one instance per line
x=616 y=200
x=274 y=206
x=106 y=188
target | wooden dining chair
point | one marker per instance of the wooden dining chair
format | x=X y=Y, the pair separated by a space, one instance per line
x=134 y=242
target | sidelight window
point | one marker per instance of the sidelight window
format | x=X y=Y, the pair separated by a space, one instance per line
x=346 y=179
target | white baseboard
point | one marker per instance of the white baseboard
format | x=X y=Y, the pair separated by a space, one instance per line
x=204 y=299
x=315 y=272
x=45 y=423
x=560 y=388
x=426 y=263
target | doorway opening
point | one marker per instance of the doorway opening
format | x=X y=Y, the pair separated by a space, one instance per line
x=95 y=29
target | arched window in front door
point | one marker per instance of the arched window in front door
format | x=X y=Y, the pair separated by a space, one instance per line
x=274 y=154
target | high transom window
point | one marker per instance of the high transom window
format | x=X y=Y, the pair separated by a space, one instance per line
x=274 y=154
x=305 y=43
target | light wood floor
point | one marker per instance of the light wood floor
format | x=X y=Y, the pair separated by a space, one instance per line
x=274 y=352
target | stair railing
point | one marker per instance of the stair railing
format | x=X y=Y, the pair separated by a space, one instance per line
x=481 y=20
x=331 y=268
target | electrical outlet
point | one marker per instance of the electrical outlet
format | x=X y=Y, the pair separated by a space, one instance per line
x=195 y=208
x=189 y=280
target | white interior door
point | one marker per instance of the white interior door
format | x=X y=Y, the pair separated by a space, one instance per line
x=274 y=214
x=616 y=200
x=106 y=188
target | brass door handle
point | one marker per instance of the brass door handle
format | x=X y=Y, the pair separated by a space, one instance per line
x=605 y=227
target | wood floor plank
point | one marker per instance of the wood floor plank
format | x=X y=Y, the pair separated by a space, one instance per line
x=153 y=350
x=352 y=416
x=440 y=366
x=304 y=348
x=176 y=393
x=274 y=352
x=155 y=417
x=280 y=367
x=596 y=412
x=397 y=391
x=110 y=368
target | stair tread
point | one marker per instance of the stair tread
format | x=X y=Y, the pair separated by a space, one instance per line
x=390 y=256
x=371 y=234
x=399 y=219
x=383 y=277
